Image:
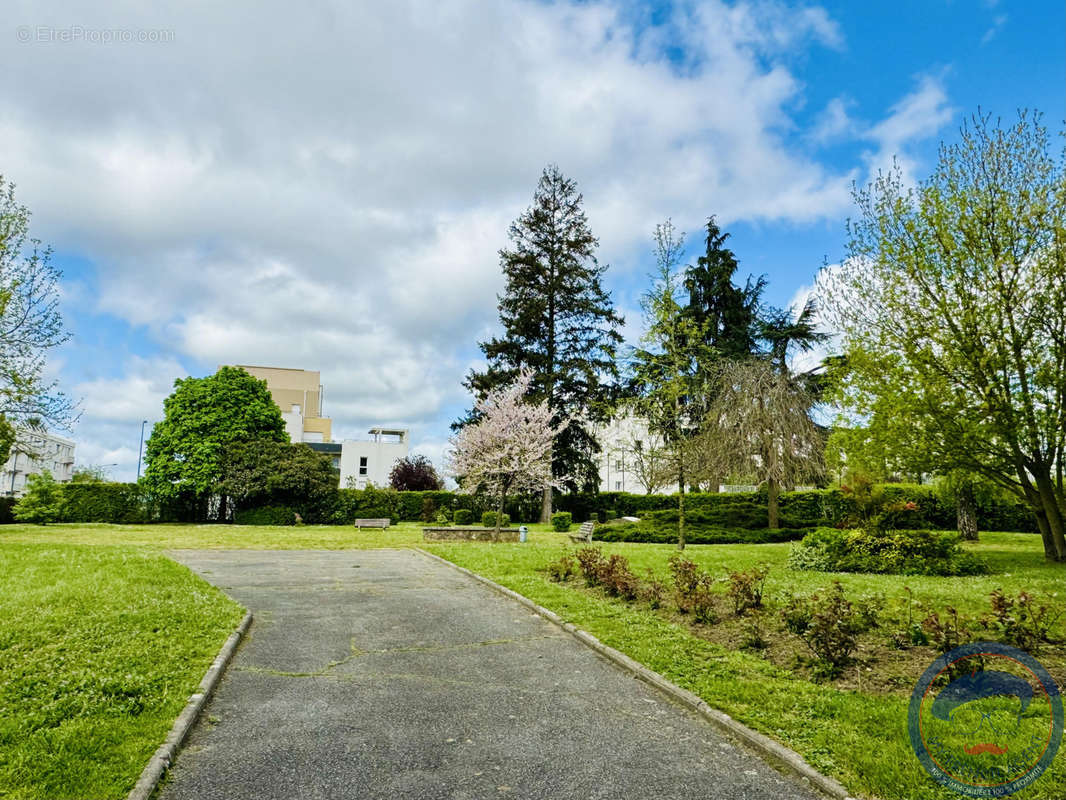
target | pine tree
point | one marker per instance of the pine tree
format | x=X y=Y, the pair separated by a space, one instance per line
x=559 y=323
x=727 y=314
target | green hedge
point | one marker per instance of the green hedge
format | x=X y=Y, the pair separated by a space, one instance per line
x=128 y=503
x=632 y=532
x=807 y=509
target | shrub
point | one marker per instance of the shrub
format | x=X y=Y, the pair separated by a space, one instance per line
x=7 y=505
x=41 y=503
x=610 y=514
x=693 y=590
x=653 y=592
x=829 y=625
x=745 y=589
x=265 y=515
x=592 y=564
x=488 y=519
x=429 y=509
x=561 y=521
x=463 y=516
x=754 y=633
x=948 y=633
x=562 y=568
x=618 y=579
x=896 y=552
x=1020 y=621
x=442 y=519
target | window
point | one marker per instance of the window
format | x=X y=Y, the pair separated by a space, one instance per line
x=618 y=486
x=638 y=445
x=362 y=465
x=618 y=465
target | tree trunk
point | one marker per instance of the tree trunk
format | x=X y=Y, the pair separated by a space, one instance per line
x=1055 y=544
x=499 y=515
x=681 y=504
x=772 y=507
x=546 y=506
x=966 y=512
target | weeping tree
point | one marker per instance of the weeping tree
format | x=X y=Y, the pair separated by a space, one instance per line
x=952 y=310
x=760 y=424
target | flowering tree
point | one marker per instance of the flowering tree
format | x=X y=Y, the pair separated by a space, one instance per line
x=509 y=448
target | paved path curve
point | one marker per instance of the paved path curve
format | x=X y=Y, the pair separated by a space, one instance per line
x=382 y=674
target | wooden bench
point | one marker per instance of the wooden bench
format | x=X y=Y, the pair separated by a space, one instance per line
x=584 y=534
x=372 y=523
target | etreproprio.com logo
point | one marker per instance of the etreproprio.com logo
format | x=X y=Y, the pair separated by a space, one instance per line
x=985 y=719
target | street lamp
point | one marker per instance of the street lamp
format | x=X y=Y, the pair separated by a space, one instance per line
x=140 y=448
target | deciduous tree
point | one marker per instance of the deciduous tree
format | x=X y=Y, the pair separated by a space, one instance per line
x=509 y=448
x=30 y=325
x=414 y=474
x=202 y=419
x=952 y=308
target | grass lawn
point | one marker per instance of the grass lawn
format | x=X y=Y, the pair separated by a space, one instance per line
x=100 y=648
x=853 y=728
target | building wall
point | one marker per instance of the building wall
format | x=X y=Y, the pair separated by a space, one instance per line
x=619 y=440
x=380 y=455
x=298 y=393
x=33 y=453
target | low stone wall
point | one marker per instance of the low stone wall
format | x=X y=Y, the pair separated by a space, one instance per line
x=469 y=533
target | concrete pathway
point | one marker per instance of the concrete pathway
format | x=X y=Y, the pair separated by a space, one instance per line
x=382 y=674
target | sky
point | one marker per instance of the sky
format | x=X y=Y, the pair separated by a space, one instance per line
x=326 y=186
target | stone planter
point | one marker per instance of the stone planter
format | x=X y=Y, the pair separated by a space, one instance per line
x=469 y=533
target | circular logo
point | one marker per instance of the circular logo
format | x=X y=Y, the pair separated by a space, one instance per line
x=985 y=719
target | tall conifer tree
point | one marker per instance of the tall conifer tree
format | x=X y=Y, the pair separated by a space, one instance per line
x=559 y=323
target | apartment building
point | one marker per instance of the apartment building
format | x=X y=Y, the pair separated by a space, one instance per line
x=298 y=393
x=371 y=461
x=32 y=453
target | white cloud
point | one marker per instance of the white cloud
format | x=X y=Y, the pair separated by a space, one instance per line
x=331 y=193
x=918 y=116
x=997 y=23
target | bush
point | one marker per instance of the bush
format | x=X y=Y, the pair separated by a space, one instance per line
x=562 y=568
x=618 y=579
x=488 y=519
x=829 y=625
x=41 y=503
x=592 y=564
x=265 y=515
x=429 y=509
x=1021 y=622
x=7 y=505
x=561 y=521
x=693 y=590
x=745 y=589
x=896 y=552
x=653 y=592
x=463 y=516
x=610 y=514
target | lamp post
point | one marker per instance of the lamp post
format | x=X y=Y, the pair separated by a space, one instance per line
x=140 y=449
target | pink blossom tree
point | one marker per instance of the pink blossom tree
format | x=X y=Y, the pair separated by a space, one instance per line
x=509 y=449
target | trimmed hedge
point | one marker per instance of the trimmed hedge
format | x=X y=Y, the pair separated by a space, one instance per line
x=634 y=532
x=128 y=503
x=561 y=521
x=807 y=509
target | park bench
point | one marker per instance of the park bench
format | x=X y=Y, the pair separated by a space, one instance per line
x=584 y=534
x=372 y=523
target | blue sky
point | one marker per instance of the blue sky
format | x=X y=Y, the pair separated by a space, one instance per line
x=327 y=188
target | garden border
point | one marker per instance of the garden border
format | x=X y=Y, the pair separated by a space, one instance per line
x=165 y=754
x=764 y=745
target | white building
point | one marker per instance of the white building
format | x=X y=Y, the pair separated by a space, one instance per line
x=364 y=462
x=628 y=453
x=32 y=453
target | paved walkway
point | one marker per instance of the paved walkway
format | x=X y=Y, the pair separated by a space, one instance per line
x=382 y=674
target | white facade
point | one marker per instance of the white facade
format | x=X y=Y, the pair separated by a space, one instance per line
x=32 y=453
x=625 y=445
x=364 y=462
